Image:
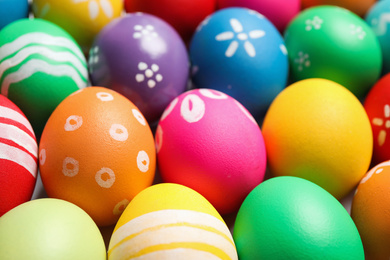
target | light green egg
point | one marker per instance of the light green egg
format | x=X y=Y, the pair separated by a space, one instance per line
x=292 y=218
x=40 y=65
x=48 y=229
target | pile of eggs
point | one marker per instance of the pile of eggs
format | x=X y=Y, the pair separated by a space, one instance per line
x=209 y=129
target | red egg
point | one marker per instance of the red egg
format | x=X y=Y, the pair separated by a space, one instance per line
x=184 y=16
x=18 y=156
x=377 y=106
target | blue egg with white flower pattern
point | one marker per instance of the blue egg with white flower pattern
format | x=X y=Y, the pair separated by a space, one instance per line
x=378 y=18
x=12 y=10
x=241 y=53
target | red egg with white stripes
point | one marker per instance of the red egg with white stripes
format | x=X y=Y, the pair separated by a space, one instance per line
x=18 y=156
x=208 y=141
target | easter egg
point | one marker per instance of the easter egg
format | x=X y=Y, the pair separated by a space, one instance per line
x=359 y=7
x=18 y=156
x=147 y=62
x=83 y=19
x=40 y=65
x=378 y=17
x=279 y=12
x=370 y=211
x=240 y=52
x=318 y=130
x=184 y=16
x=292 y=218
x=12 y=10
x=333 y=43
x=46 y=229
x=97 y=151
x=377 y=106
x=208 y=141
x=171 y=221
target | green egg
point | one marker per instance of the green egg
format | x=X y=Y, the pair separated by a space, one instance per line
x=40 y=65
x=48 y=229
x=292 y=218
x=333 y=43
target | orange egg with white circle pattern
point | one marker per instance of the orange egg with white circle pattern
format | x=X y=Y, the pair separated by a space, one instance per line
x=97 y=151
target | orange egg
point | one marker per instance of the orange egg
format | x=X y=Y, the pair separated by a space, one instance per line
x=97 y=151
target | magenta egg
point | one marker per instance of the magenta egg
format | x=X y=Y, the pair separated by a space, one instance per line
x=208 y=141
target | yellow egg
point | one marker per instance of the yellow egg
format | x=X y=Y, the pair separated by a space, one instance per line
x=171 y=221
x=318 y=130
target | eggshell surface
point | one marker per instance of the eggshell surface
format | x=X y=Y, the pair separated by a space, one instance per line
x=40 y=65
x=171 y=221
x=18 y=156
x=370 y=211
x=46 y=229
x=292 y=218
x=97 y=151
x=318 y=130
x=83 y=19
x=208 y=141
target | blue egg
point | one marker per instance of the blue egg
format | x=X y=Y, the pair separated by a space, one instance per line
x=241 y=53
x=12 y=10
x=378 y=18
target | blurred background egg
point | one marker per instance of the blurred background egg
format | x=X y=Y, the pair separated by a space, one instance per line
x=12 y=10
x=40 y=65
x=279 y=12
x=184 y=16
x=371 y=211
x=240 y=52
x=83 y=19
x=333 y=43
x=292 y=218
x=318 y=130
x=97 y=151
x=377 y=106
x=18 y=156
x=358 y=7
x=208 y=141
x=143 y=58
x=171 y=221
x=378 y=18
x=46 y=229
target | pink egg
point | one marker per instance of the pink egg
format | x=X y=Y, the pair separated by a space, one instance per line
x=208 y=141
x=18 y=156
x=279 y=12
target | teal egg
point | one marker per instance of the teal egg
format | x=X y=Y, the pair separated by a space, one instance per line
x=292 y=218
x=46 y=229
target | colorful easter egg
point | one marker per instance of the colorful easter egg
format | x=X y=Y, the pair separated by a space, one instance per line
x=378 y=18
x=12 y=10
x=240 y=52
x=40 y=65
x=171 y=221
x=279 y=12
x=377 y=106
x=46 y=229
x=83 y=19
x=358 y=7
x=292 y=218
x=318 y=130
x=370 y=211
x=333 y=43
x=148 y=62
x=184 y=16
x=97 y=151
x=18 y=156
x=208 y=141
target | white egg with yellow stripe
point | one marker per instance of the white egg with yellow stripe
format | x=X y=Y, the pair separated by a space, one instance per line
x=171 y=221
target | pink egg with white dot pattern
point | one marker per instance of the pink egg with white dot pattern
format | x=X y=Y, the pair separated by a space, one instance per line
x=208 y=141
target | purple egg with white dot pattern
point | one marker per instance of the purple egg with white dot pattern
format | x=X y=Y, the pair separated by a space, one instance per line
x=143 y=58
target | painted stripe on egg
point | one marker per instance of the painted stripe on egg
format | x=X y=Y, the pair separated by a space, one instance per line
x=178 y=253
x=20 y=157
x=19 y=137
x=9 y=113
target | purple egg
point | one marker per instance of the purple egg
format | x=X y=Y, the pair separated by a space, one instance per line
x=143 y=58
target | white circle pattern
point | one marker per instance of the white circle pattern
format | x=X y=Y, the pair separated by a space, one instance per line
x=119 y=132
x=73 y=123
x=120 y=207
x=140 y=118
x=143 y=161
x=214 y=94
x=104 y=96
x=42 y=157
x=105 y=183
x=192 y=108
x=169 y=109
x=74 y=170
